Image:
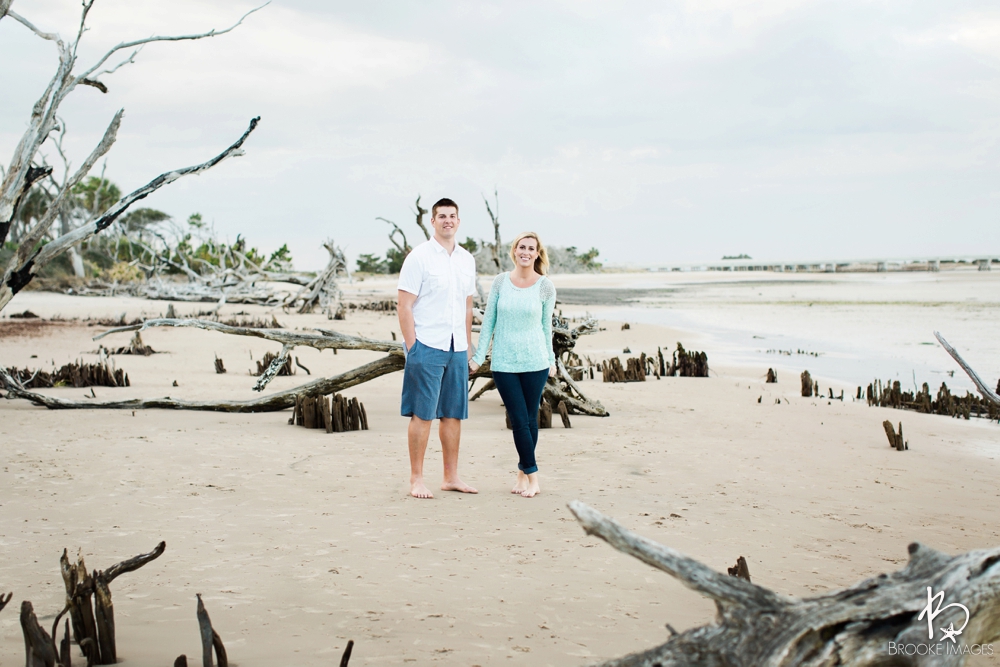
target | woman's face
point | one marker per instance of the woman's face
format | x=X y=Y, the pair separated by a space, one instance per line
x=526 y=252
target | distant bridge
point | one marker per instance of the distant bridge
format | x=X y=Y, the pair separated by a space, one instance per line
x=982 y=263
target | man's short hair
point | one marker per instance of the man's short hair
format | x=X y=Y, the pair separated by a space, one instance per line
x=442 y=202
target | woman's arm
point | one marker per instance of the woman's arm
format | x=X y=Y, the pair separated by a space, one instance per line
x=489 y=323
x=548 y=294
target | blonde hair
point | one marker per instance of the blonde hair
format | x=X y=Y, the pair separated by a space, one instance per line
x=541 y=262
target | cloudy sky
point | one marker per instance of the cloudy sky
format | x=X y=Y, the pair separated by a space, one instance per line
x=656 y=131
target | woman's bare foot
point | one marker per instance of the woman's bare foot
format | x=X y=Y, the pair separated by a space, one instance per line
x=532 y=489
x=522 y=483
x=419 y=490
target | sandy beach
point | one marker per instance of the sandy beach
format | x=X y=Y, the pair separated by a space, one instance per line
x=300 y=540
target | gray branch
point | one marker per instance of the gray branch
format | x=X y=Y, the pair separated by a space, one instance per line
x=983 y=388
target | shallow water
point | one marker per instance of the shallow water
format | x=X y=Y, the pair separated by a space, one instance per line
x=860 y=326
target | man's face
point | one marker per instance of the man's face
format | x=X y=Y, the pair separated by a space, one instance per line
x=446 y=222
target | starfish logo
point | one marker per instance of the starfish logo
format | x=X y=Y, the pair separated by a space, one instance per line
x=934 y=609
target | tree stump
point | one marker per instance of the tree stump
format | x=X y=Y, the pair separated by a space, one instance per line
x=544 y=415
x=564 y=414
x=772 y=377
x=334 y=414
x=807 y=384
x=895 y=439
x=219 y=366
x=740 y=570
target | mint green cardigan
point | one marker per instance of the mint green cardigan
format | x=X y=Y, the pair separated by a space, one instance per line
x=519 y=321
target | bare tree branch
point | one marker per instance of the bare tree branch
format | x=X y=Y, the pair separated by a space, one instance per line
x=405 y=248
x=52 y=37
x=983 y=388
x=173 y=38
x=15 y=280
x=419 y=214
x=327 y=340
x=4 y=8
x=495 y=218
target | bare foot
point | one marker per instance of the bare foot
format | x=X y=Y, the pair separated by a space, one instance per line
x=532 y=489
x=457 y=485
x=522 y=483
x=419 y=490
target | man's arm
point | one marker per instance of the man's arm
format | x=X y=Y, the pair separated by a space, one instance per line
x=405 y=311
x=468 y=325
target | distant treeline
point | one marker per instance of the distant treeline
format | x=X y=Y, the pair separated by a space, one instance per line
x=561 y=259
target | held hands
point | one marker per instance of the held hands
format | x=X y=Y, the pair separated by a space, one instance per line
x=552 y=371
x=473 y=366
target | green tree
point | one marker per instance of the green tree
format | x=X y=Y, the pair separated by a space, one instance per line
x=470 y=244
x=394 y=260
x=95 y=195
x=369 y=263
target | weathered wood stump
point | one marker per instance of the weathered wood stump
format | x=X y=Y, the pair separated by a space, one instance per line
x=219 y=366
x=544 y=415
x=895 y=439
x=564 y=414
x=772 y=376
x=335 y=413
x=740 y=570
x=94 y=626
x=807 y=384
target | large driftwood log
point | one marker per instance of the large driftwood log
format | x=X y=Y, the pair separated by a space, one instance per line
x=983 y=388
x=271 y=403
x=756 y=627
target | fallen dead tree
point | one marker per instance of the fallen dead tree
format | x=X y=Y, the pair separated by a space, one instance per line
x=892 y=395
x=278 y=401
x=757 y=627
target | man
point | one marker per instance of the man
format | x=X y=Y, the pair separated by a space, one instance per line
x=436 y=285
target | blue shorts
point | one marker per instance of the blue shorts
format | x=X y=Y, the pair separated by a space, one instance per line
x=435 y=384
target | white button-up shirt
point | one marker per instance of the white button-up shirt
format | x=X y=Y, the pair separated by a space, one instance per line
x=442 y=283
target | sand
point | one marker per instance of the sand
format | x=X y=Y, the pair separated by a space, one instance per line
x=299 y=540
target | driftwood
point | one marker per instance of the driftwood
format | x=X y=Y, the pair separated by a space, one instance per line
x=741 y=569
x=983 y=388
x=322 y=291
x=895 y=439
x=94 y=626
x=210 y=640
x=807 y=384
x=772 y=376
x=40 y=650
x=270 y=403
x=334 y=413
x=74 y=374
x=892 y=395
x=879 y=621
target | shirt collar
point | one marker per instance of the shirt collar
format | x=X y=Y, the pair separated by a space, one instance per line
x=440 y=248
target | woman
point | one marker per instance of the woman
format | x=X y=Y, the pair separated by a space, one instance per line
x=518 y=319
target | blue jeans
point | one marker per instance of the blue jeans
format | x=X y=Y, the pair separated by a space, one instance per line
x=522 y=394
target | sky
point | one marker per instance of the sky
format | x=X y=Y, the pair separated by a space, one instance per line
x=658 y=132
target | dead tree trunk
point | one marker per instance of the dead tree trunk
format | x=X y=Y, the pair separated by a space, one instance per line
x=807 y=384
x=983 y=388
x=495 y=219
x=756 y=627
